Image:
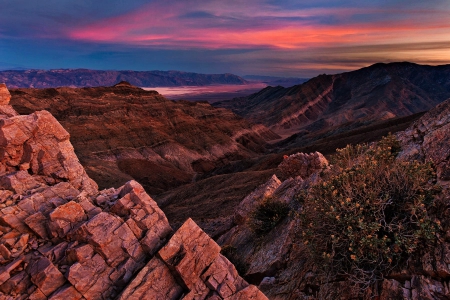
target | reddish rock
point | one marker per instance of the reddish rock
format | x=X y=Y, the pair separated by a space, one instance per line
x=91 y=278
x=190 y=251
x=65 y=217
x=66 y=293
x=223 y=278
x=5 y=96
x=52 y=213
x=18 y=182
x=16 y=285
x=38 y=139
x=38 y=295
x=45 y=275
x=154 y=281
x=80 y=254
x=145 y=214
x=302 y=164
x=99 y=232
x=37 y=223
x=6 y=270
x=428 y=139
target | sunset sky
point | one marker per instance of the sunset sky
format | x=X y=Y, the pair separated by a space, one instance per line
x=266 y=37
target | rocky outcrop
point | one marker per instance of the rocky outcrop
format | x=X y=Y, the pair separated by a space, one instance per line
x=61 y=238
x=302 y=164
x=428 y=139
x=121 y=132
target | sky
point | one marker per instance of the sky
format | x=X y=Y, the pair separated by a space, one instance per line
x=300 y=38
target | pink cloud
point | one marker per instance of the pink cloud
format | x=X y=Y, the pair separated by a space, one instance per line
x=163 y=26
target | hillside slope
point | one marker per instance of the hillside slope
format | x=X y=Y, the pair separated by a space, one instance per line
x=378 y=92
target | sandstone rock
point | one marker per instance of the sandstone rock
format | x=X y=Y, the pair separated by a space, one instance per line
x=223 y=278
x=6 y=111
x=6 y=270
x=38 y=139
x=154 y=281
x=38 y=295
x=65 y=217
x=137 y=205
x=5 y=96
x=66 y=293
x=16 y=285
x=80 y=254
x=45 y=275
x=91 y=278
x=18 y=182
x=189 y=252
x=37 y=223
x=99 y=232
x=302 y=164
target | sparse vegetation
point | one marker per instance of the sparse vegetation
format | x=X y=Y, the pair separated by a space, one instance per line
x=369 y=213
x=267 y=215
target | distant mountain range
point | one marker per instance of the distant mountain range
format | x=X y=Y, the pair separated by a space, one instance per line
x=379 y=92
x=93 y=78
x=275 y=81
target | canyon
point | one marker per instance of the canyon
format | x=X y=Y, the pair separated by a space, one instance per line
x=124 y=132
x=61 y=238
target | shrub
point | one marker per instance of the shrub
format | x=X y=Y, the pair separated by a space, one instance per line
x=267 y=215
x=369 y=213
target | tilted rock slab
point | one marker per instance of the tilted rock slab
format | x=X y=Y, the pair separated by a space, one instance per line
x=60 y=238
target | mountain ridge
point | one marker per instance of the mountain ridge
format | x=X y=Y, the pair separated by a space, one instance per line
x=381 y=90
x=94 y=78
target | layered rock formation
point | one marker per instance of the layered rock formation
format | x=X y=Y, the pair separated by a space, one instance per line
x=121 y=132
x=381 y=91
x=91 y=78
x=61 y=238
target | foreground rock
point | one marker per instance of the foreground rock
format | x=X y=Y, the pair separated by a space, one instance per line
x=60 y=238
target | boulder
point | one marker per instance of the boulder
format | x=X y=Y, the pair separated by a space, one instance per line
x=302 y=164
